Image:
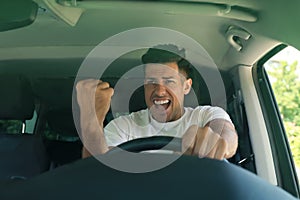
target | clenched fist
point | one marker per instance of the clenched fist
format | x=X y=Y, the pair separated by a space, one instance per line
x=217 y=140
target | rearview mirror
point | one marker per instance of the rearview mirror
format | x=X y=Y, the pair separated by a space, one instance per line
x=17 y=13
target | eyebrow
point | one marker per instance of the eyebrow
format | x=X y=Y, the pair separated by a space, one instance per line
x=168 y=77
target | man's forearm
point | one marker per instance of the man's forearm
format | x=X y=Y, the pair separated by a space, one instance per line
x=95 y=144
x=93 y=139
x=93 y=97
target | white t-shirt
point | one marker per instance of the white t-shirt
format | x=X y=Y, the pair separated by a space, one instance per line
x=141 y=124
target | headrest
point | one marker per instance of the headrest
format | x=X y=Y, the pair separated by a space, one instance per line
x=137 y=100
x=16 y=101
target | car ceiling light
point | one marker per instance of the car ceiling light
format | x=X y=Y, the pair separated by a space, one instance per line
x=67 y=13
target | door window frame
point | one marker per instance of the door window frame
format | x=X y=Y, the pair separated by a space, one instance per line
x=282 y=156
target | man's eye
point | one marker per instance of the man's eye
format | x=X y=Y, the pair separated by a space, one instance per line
x=170 y=81
x=150 y=82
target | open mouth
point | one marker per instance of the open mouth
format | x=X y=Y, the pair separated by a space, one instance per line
x=162 y=103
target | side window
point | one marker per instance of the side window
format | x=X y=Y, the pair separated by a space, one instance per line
x=10 y=126
x=283 y=70
x=17 y=126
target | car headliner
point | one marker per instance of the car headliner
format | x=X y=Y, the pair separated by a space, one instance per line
x=204 y=21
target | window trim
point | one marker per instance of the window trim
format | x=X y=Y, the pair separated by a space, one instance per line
x=283 y=161
x=257 y=128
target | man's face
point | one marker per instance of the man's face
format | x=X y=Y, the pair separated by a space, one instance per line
x=165 y=88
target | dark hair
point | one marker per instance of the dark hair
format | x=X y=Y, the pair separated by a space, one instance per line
x=168 y=53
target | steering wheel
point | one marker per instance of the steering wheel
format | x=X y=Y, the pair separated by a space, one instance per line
x=149 y=143
x=205 y=175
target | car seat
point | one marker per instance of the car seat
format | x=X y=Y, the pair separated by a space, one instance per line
x=62 y=140
x=22 y=155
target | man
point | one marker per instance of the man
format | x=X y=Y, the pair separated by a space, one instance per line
x=206 y=131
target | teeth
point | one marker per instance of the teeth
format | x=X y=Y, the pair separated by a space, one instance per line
x=160 y=102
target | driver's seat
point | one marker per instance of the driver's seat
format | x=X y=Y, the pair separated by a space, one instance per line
x=137 y=100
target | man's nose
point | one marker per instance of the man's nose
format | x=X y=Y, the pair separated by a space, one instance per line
x=160 y=90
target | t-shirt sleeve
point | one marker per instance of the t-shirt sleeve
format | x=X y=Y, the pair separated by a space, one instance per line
x=209 y=113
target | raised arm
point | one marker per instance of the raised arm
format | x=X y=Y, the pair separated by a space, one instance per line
x=93 y=97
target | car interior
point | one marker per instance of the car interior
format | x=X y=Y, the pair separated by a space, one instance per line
x=43 y=50
x=55 y=125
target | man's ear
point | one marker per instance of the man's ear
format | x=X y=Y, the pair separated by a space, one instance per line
x=187 y=86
